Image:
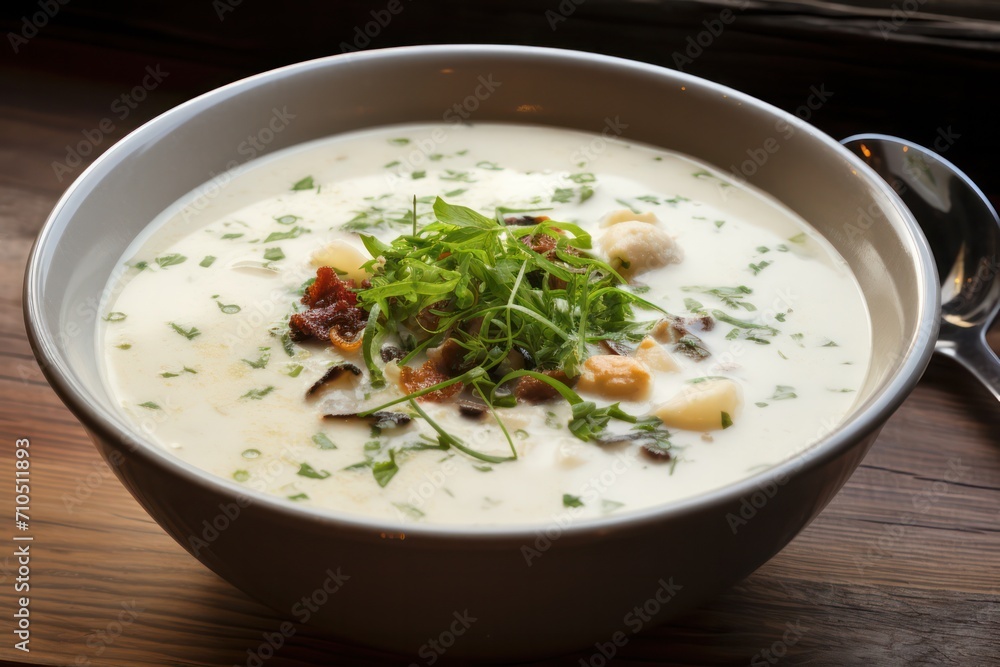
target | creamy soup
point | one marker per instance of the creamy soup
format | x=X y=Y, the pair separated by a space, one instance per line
x=484 y=324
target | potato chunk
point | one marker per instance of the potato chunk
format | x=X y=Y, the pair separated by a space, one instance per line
x=343 y=258
x=700 y=406
x=626 y=215
x=635 y=247
x=655 y=357
x=612 y=376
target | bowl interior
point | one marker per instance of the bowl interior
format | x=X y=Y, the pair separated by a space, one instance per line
x=150 y=169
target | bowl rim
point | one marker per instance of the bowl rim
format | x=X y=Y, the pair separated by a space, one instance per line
x=112 y=427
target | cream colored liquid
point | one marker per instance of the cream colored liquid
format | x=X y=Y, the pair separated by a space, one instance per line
x=210 y=417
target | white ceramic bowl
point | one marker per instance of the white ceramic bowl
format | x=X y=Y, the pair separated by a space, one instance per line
x=406 y=585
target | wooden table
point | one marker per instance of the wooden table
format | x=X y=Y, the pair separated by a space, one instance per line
x=902 y=568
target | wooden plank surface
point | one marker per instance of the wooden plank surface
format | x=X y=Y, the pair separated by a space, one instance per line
x=902 y=568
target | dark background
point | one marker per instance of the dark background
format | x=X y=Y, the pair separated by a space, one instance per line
x=914 y=68
x=920 y=69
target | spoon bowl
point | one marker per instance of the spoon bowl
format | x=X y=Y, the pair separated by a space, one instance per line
x=963 y=230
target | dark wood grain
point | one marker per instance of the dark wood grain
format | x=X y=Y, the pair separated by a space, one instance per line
x=902 y=568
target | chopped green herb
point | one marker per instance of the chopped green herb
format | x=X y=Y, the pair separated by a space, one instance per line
x=261 y=362
x=124 y=346
x=762 y=249
x=841 y=391
x=799 y=238
x=287 y=219
x=571 y=501
x=399 y=141
x=241 y=475
x=273 y=254
x=483 y=468
x=232 y=235
x=563 y=195
x=228 y=309
x=304 y=184
x=829 y=343
x=733 y=297
x=168 y=374
x=383 y=471
x=409 y=509
x=694 y=306
x=115 y=317
x=190 y=334
x=250 y=453
x=760 y=404
x=719 y=223
x=207 y=262
x=727 y=421
x=608 y=506
x=149 y=405
x=455 y=193
x=293 y=370
x=299 y=496
x=586 y=192
x=170 y=260
x=293 y=233
x=780 y=317
x=417 y=175
x=783 y=392
x=140 y=266
x=257 y=394
x=452 y=175
x=585 y=177
x=323 y=442
x=306 y=470
x=757 y=268
x=490 y=166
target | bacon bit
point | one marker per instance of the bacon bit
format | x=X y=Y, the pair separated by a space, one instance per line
x=524 y=220
x=344 y=345
x=332 y=307
x=655 y=452
x=429 y=320
x=614 y=347
x=391 y=353
x=427 y=376
x=328 y=289
x=332 y=373
x=535 y=391
x=543 y=244
x=449 y=358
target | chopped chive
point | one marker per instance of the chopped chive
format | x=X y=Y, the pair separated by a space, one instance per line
x=323 y=442
x=304 y=184
x=190 y=334
x=207 y=262
x=150 y=405
x=257 y=394
x=571 y=501
x=306 y=470
x=273 y=254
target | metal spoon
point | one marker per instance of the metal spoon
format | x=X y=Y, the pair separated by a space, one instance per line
x=964 y=234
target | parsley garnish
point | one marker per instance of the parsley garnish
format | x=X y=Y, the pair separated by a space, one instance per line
x=190 y=334
x=257 y=394
x=170 y=260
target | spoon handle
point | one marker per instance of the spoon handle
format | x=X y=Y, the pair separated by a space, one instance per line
x=972 y=352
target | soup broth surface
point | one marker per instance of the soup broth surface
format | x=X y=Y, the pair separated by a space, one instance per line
x=196 y=346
